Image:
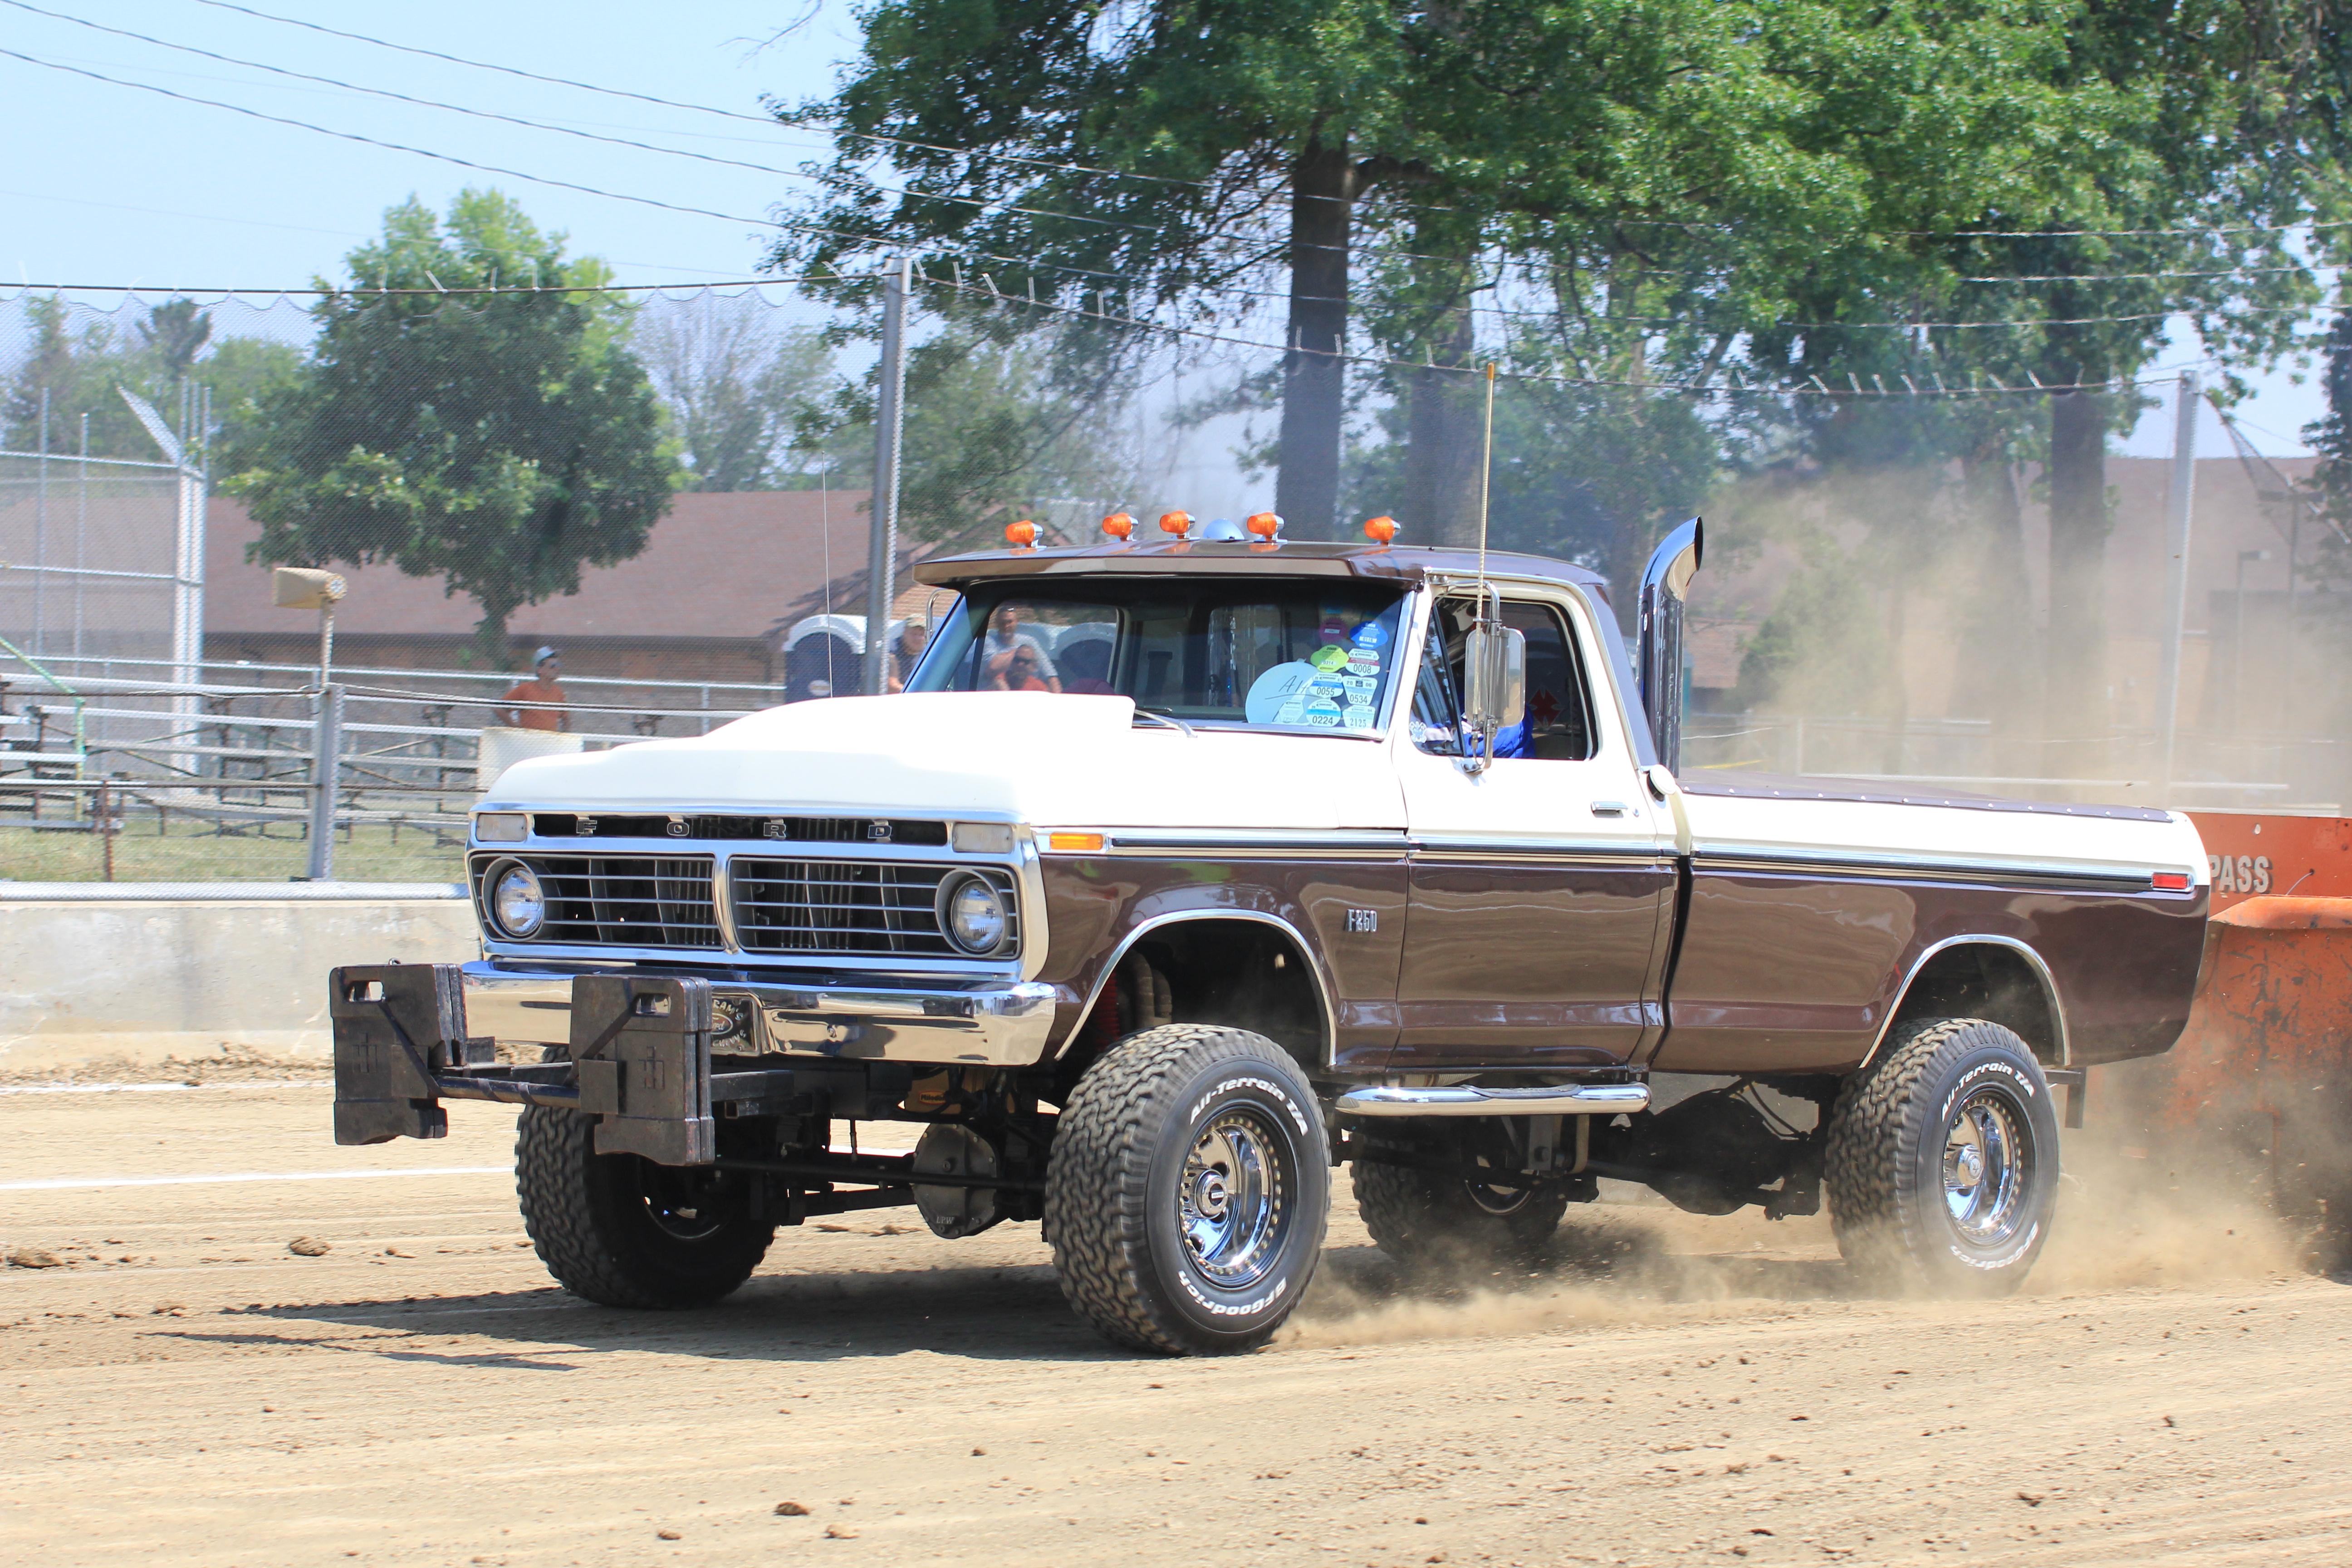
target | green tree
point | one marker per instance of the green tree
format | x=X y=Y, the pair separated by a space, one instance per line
x=991 y=434
x=499 y=442
x=80 y=366
x=2195 y=134
x=1253 y=129
x=736 y=388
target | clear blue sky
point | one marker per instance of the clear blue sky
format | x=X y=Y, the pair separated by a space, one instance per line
x=112 y=184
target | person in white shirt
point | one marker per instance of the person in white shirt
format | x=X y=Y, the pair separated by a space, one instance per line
x=1033 y=671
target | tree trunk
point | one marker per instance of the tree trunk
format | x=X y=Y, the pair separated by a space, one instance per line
x=490 y=649
x=2076 y=710
x=1629 y=555
x=1998 y=676
x=1443 y=434
x=1314 y=378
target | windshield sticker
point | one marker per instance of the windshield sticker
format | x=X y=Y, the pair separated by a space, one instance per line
x=1359 y=717
x=1364 y=663
x=1291 y=712
x=1278 y=687
x=1322 y=712
x=1360 y=687
x=1370 y=635
x=1335 y=624
x=1328 y=657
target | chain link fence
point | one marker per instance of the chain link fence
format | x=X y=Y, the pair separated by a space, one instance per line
x=1887 y=614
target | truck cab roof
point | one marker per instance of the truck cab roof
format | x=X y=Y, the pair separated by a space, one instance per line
x=1405 y=565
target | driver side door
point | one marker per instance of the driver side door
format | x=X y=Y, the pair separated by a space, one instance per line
x=1541 y=890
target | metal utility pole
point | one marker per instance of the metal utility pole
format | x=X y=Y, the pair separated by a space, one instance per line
x=890 y=420
x=41 y=530
x=326 y=774
x=2176 y=578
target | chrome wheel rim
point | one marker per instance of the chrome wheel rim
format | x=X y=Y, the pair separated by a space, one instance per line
x=1987 y=1169
x=1231 y=1199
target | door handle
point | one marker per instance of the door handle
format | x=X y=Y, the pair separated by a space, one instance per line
x=1608 y=808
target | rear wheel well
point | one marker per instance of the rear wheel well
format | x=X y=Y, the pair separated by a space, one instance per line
x=1991 y=980
x=1243 y=974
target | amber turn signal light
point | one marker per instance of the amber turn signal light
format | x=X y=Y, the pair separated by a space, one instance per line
x=1080 y=843
x=1179 y=523
x=1264 y=524
x=1380 y=530
x=1118 y=525
x=1022 y=535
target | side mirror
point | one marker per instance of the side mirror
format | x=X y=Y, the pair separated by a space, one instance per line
x=1495 y=679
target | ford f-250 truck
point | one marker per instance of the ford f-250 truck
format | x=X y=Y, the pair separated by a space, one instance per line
x=1185 y=872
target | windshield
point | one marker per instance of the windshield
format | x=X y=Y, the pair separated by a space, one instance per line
x=1295 y=654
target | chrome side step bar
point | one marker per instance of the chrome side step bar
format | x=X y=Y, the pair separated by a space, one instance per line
x=1467 y=1099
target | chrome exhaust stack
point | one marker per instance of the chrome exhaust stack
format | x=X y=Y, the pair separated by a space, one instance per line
x=1658 y=670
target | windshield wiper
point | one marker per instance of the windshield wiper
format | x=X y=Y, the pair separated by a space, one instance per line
x=1154 y=716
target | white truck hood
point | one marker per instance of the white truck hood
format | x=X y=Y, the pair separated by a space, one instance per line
x=1063 y=760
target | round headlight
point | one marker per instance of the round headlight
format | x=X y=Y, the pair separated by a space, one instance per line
x=517 y=904
x=972 y=913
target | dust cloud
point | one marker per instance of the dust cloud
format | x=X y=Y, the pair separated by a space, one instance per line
x=2123 y=1222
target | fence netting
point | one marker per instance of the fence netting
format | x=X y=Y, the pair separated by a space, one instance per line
x=669 y=493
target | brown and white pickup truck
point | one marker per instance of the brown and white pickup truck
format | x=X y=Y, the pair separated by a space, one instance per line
x=1185 y=872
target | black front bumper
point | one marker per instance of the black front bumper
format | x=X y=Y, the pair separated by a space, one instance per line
x=639 y=1060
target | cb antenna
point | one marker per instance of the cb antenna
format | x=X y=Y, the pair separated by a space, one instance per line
x=1486 y=484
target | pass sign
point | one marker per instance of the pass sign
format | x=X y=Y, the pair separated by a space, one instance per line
x=2251 y=854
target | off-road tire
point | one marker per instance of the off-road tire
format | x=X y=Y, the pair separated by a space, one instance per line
x=593 y=1219
x=1421 y=1217
x=1116 y=1183
x=1885 y=1167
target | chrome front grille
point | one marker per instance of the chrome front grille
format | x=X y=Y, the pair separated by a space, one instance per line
x=854 y=909
x=620 y=901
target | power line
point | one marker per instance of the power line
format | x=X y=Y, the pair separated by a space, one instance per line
x=571 y=131
x=419 y=152
x=695 y=107
x=702 y=285
x=1818 y=388
x=706 y=285
x=1063 y=167
x=704 y=211
x=547 y=180
x=496 y=169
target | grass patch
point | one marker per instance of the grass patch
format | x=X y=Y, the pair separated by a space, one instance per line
x=186 y=852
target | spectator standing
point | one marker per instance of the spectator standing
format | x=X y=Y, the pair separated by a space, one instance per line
x=906 y=651
x=540 y=691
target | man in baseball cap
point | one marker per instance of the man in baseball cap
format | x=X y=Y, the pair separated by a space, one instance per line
x=533 y=704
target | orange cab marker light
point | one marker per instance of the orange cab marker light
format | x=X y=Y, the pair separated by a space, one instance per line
x=1264 y=524
x=1022 y=535
x=1179 y=523
x=2170 y=881
x=1083 y=843
x=1120 y=525
x=1380 y=530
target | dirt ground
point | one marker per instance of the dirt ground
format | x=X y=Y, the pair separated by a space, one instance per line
x=181 y=1387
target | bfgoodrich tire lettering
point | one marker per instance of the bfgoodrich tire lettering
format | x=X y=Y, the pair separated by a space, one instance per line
x=1942 y=1164
x=1188 y=1190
